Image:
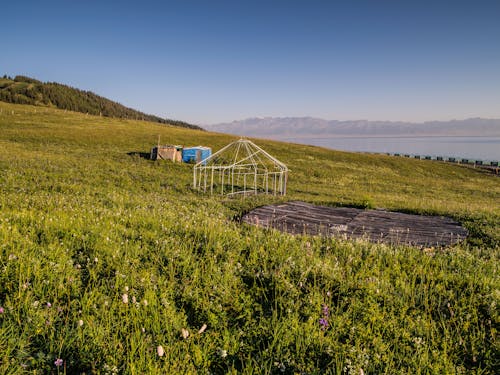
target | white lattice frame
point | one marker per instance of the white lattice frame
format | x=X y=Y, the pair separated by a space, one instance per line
x=205 y=174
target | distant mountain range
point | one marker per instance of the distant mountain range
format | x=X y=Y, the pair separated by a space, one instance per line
x=26 y=90
x=294 y=128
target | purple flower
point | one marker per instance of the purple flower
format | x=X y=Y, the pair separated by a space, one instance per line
x=326 y=311
x=58 y=362
x=1 y=310
x=49 y=304
x=323 y=323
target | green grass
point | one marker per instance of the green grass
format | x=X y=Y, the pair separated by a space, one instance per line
x=85 y=220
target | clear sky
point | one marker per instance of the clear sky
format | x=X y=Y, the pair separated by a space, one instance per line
x=213 y=61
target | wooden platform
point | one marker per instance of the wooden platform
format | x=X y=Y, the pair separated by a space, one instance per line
x=351 y=223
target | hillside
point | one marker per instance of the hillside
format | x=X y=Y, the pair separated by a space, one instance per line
x=111 y=263
x=282 y=128
x=25 y=90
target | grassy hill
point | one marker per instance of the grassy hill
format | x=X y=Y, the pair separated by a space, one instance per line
x=106 y=257
x=25 y=90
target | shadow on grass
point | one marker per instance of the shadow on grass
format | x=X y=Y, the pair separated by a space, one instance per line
x=144 y=155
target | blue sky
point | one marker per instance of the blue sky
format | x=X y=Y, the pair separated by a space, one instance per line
x=216 y=61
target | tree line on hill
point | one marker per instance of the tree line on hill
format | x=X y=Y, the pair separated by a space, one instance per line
x=26 y=90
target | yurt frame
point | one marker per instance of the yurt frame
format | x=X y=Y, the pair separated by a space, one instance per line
x=241 y=167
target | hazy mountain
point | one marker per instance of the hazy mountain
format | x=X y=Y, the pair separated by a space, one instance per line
x=284 y=128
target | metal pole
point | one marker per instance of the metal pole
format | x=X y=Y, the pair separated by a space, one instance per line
x=222 y=184
x=205 y=181
x=274 y=183
x=255 y=181
x=212 y=183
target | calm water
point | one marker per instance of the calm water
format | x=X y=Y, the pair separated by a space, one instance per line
x=478 y=148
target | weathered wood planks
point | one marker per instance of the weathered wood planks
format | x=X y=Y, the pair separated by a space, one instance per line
x=351 y=223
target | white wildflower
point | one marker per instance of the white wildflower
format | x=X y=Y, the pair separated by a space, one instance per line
x=110 y=370
x=418 y=341
x=160 y=351
x=203 y=328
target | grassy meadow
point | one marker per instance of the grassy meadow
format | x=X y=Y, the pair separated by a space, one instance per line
x=111 y=264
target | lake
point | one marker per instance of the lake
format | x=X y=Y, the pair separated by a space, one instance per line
x=475 y=148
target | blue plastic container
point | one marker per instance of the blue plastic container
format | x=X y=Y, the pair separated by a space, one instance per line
x=195 y=154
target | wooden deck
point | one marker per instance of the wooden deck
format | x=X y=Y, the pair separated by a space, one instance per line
x=351 y=223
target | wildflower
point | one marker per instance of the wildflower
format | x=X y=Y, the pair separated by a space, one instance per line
x=1 y=310
x=326 y=311
x=49 y=304
x=58 y=362
x=80 y=323
x=222 y=353
x=418 y=341
x=160 y=351
x=323 y=323
x=145 y=302
x=282 y=367
x=134 y=300
x=126 y=288
x=108 y=369
x=125 y=298
x=184 y=333
x=96 y=260
x=202 y=329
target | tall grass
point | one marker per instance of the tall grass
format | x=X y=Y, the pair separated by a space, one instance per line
x=105 y=256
